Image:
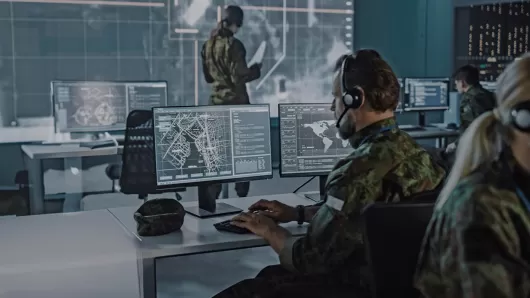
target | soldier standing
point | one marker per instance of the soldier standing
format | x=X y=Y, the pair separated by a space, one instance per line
x=225 y=67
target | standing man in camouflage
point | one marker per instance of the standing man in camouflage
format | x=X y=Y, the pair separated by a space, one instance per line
x=386 y=164
x=475 y=99
x=225 y=67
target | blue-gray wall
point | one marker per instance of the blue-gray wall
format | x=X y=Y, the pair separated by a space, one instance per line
x=414 y=36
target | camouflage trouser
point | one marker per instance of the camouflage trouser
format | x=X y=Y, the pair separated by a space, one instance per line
x=277 y=282
x=242 y=189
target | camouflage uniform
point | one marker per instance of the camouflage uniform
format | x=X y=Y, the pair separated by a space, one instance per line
x=478 y=243
x=331 y=256
x=475 y=101
x=225 y=67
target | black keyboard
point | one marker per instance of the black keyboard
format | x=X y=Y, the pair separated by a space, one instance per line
x=411 y=128
x=227 y=226
x=98 y=144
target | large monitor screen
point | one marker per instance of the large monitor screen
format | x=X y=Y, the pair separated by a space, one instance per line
x=209 y=143
x=309 y=141
x=426 y=94
x=102 y=106
x=490 y=36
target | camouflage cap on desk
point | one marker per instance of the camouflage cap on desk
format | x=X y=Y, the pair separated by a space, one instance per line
x=158 y=217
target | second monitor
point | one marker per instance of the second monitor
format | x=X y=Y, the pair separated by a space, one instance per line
x=204 y=145
x=310 y=144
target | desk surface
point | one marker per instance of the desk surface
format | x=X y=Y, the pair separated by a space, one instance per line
x=67 y=150
x=199 y=235
x=25 y=134
x=67 y=253
x=432 y=132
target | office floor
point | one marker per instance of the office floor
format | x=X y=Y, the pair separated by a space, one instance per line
x=206 y=274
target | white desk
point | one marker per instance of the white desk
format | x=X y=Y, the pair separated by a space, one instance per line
x=83 y=254
x=196 y=236
x=10 y=135
x=72 y=155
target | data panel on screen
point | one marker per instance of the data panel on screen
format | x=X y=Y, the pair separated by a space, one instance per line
x=309 y=140
x=209 y=143
x=102 y=106
x=491 y=36
x=426 y=94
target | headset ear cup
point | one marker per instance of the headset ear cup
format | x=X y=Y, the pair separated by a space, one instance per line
x=347 y=99
x=521 y=119
x=357 y=98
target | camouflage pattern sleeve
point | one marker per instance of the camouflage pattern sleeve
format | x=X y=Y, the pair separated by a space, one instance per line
x=334 y=233
x=241 y=73
x=205 y=71
x=471 y=248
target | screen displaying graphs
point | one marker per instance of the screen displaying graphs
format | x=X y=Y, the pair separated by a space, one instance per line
x=490 y=36
x=160 y=40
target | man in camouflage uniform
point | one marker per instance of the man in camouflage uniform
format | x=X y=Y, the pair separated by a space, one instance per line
x=475 y=99
x=386 y=164
x=225 y=67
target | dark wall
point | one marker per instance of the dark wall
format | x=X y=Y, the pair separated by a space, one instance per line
x=415 y=36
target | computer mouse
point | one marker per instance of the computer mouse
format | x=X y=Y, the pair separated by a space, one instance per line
x=452 y=126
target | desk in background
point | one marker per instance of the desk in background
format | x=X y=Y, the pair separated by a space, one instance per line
x=72 y=156
x=196 y=236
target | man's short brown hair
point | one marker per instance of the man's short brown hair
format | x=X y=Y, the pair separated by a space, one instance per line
x=375 y=76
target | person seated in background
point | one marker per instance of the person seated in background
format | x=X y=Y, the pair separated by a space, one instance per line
x=386 y=165
x=475 y=99
x=478 y=241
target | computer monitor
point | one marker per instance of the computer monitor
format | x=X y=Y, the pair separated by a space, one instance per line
x=426 y=94
x=399 y=107
x=204 y=145
x=310 y=144
x=102 y=106
x=491 y=86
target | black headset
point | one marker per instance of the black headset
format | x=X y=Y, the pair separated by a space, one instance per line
x=520 y=116
x=353 y=98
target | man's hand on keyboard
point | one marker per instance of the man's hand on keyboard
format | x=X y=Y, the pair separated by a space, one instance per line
x=258 y=224
x=273 y=209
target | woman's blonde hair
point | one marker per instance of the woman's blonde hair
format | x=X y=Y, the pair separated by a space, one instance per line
x=482 y=142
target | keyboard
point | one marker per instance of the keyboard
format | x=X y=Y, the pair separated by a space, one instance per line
x=227 y=226
x=98 y=144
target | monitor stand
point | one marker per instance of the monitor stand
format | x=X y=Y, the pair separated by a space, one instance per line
x=208 y=206
x=317 y=197
x=421 y=119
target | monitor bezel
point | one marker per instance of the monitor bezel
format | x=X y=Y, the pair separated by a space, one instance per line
x=90 y=130
x=297 y=174
x=427 y=109
x=401 y=96
x=221 y=179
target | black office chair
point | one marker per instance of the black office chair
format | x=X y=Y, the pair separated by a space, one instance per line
x=138 y=164
x=393 y=233
x=113 y=172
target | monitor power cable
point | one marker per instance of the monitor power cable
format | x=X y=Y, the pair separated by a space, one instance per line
x=304 y=184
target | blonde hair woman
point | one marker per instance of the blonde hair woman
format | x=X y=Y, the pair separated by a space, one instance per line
x=478 y=241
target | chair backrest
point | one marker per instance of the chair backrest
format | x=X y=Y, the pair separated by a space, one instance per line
x=393 y=233
x=138 y=166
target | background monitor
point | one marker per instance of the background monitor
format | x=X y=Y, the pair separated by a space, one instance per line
x=102 y=106
x=491 y=35
x=399 y=108
x=426 y=94
x=211 y=143
x=309 y=141
x=491 y=86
